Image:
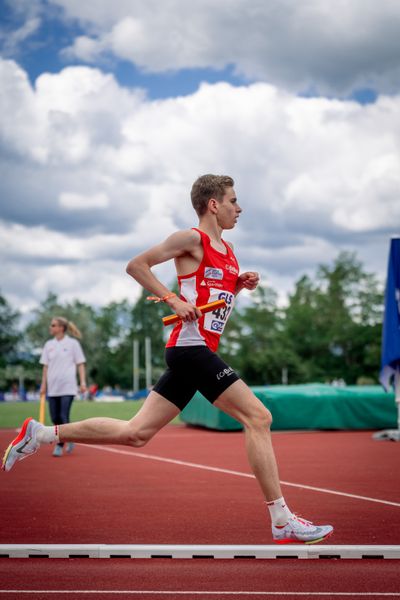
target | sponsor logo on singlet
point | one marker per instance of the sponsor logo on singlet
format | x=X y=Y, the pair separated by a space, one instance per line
x=213 y=273
x=217 y=326
x=232 y=269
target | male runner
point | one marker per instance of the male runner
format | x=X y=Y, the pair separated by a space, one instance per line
x=207 y=270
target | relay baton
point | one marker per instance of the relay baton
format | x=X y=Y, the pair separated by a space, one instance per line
x=42 y=407
x=204 y=309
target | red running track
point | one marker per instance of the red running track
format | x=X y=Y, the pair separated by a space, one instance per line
x=100 y=496
x=199 y=579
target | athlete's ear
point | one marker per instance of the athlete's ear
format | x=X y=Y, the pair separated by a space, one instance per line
x=212 y=205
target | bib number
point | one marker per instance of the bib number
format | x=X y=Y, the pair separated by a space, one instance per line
x=215 y=321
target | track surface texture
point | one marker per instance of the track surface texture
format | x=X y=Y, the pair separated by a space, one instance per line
x=192 y=486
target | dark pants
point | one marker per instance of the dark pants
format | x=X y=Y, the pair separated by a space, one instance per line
x=60 y=407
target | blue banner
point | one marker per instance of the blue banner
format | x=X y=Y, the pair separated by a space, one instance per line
x=390 y=359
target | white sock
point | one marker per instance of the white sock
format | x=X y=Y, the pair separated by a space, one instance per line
x=279 y=511
x=48 y=435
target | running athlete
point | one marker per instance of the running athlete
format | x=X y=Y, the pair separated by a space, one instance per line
x=207 y=270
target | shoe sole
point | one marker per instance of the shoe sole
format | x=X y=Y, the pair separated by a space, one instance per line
x=321 y=539
x=15 y=441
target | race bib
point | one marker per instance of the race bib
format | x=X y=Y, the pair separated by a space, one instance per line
x=215 y=321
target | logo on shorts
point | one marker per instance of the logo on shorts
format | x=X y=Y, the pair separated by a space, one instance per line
x=213 y=273
x=228 y=371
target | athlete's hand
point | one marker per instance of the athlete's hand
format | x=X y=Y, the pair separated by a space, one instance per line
x=186 y=312
x=248 y=280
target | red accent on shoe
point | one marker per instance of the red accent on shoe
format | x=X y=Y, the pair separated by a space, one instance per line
x=22 y=432
x=291 y=541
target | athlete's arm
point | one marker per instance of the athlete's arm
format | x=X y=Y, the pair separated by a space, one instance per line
x=175 y=246
x=248 y=280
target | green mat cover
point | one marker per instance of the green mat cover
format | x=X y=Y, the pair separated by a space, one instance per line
x=308 y=406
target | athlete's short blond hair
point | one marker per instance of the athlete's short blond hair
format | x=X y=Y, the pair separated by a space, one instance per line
x=206 y=187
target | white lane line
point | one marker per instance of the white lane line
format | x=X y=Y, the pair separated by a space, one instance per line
x=237 y=473
x=207 y=593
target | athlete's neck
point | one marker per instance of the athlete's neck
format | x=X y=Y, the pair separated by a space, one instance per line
x=213 y=231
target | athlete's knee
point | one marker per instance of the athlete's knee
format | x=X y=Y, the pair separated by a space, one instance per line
x=138 y=437
x=260 y=419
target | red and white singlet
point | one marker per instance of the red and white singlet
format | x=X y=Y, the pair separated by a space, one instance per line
x=215 y=278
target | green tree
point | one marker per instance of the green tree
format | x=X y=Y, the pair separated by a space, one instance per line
x=333 y=324
x=9 y=334
x=331 y=328
x=105 y=332
x=253 y=342
x=302 y=330
x=107 y=336
x=111 y=366
x=147 y=322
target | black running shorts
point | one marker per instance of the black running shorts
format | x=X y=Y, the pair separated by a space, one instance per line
x=192 y=368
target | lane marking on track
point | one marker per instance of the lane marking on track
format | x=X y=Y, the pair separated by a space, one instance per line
x=237 y=473
x=208 y=593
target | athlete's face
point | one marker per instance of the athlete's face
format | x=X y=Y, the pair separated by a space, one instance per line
x=228 y=210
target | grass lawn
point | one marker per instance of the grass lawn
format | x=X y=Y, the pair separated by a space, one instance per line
x=12 y=414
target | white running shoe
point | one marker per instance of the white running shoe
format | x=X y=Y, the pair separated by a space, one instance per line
x=58 y=450
x=300 y=531
x=23 y=445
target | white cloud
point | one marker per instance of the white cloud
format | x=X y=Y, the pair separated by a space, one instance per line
x=44 y=245
x=16 y=37
x=72 y=201
x=93 y=173
x=29 y=15
x=331 y=47
x=376 y=198
x=20 y=123
x=65 y=116
x=87 y=49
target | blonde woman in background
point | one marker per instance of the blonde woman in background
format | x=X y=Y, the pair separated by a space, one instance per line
x=61 y=358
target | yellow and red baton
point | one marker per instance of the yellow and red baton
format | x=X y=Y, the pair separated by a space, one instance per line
x=204 y=309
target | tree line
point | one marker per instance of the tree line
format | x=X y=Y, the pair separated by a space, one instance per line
x=329 y=329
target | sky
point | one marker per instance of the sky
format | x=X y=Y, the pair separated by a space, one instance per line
x=110 y=111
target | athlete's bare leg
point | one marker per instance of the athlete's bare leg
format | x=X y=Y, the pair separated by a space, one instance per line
x=239 y=402
x=155 y=413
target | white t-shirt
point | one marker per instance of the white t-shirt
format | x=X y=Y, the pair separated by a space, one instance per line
x=61 y=358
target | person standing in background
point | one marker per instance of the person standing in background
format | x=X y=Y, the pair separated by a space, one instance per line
x=61 y=358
